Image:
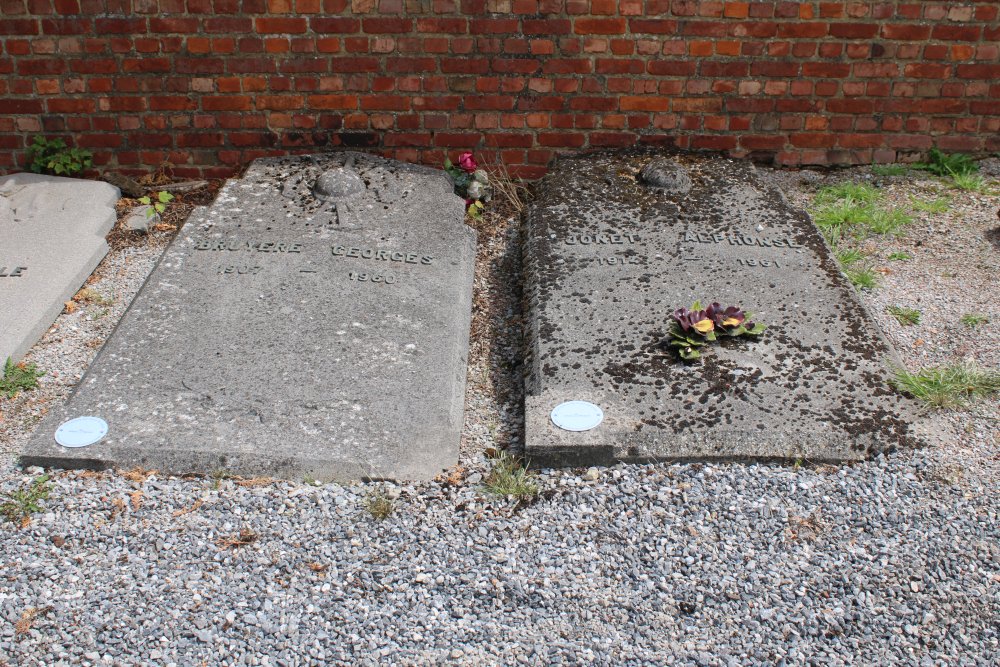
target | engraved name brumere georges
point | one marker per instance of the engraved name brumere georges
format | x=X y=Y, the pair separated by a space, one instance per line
x=338 y=251
x=12 y=272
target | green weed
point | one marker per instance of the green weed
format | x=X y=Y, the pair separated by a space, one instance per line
x=379 y=504
x=853 y=208
x=947 y=164
x=157 y=206
x=51 y=156
x=848 y=256
x=22 y=503
x=973 y=320
x=862 y=193
x=947 y=386
x=888 y=221
x=905 y=316
x=900 y=256
x=970 y=182
x=509 y=477
x=18 y=377
x=862 y=277
x=890 y=169
x=938 y=205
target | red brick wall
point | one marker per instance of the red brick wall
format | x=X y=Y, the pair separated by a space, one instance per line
x=211 y=84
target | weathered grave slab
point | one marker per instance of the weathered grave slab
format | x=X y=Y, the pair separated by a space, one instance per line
x=313 y=321
x=51 y=239
x=615 y=246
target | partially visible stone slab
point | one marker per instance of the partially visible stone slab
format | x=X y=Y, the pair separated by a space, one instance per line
x=615 y=246
x=141 y=217
x=313 y=321
x=52 y=233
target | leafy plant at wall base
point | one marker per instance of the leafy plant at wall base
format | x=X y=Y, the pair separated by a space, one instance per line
x=695 y=328
x=947 y=164
x=156 y=207
x=18 y=377
x=52 y=156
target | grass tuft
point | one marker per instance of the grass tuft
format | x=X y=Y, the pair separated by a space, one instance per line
x=947 y=386
x=937 y=205
x=379 y=504
x=890 y=169
x=18 y=377
x=510 y=191
x=509 y=477
x=906 y=316
x=861 y=193
x=973 y=320
x=970 y=182
x=848 y=256
x=862 y=277
x=888 y=221
x=900 y=256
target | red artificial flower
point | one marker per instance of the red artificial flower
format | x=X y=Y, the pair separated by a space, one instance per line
x=467 y=162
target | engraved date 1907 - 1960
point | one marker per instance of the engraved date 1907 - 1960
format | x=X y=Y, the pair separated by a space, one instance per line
x=234 y=269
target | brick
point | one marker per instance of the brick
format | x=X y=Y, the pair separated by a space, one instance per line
x=493 y=26
x=652 y=26
x=955 y=33
x=280 y=25
x=173 y=25
x=594 y=26
x=547 y=27
x=116 y=26
x=909 y=32
x=226 y=103
x=279 y=102
x=386 y=25
x=854 y=30
x=612 y=139
x=672 y=67
x=644 y=103
x=927 y=71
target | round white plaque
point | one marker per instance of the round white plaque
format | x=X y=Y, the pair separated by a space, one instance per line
x=577 y=416
x=81 y=431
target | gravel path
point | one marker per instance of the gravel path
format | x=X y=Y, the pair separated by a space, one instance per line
x=892 y=561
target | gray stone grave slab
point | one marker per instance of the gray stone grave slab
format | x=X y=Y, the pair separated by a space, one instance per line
x=616 y=243
x=52 y=233
x=313 y=321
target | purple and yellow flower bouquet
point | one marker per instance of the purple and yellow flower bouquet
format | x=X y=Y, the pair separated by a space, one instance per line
x=697 y=327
